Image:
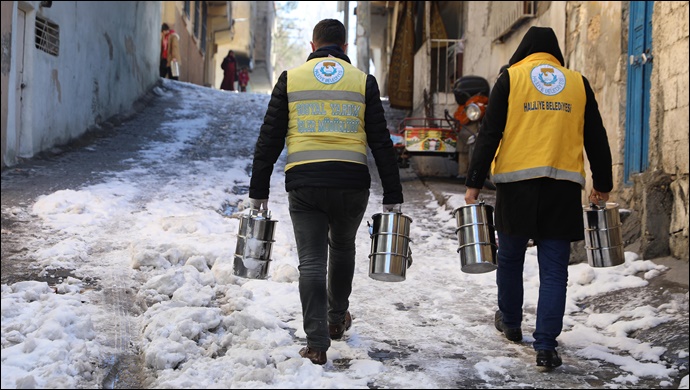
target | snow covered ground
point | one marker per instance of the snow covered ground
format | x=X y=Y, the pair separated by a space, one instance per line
x=151 y=249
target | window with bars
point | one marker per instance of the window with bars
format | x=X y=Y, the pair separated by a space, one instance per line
x=47 y=36
x=197 y=18
x=204 y=20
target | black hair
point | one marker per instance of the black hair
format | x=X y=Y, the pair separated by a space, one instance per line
x=329 y=32
x=165 y=27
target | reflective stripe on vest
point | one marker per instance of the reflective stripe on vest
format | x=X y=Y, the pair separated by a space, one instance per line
x=544 y=132
x=326 y=155
x=326 y=95
x=326 y=103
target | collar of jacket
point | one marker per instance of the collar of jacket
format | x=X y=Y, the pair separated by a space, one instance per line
x=544 y=57
x=332 y=50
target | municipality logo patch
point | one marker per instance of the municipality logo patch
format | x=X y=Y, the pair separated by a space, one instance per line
x=328 y=71
x=547 y=79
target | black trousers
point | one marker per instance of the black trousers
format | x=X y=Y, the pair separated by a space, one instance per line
x=325 y=222
x=165 y=71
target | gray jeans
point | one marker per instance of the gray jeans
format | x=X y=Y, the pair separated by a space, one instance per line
x=325 y=221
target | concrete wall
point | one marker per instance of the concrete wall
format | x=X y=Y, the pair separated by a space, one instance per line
x=6 y=46
x=484 y=57
x=263 y=61
x=377 y=46
x=108 y=58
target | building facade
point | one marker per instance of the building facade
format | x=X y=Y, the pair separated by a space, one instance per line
x=70 y=66
x=61 y=62
x=633 y=53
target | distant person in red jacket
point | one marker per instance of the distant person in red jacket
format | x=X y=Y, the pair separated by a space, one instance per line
x=170 y=53
x=229 y=66
x=243 y=79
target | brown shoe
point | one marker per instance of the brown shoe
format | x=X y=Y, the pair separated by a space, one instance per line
x=316 y=357
x=336 y=330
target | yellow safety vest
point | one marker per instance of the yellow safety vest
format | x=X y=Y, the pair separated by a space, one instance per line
x=544 y=129
x=326 y=102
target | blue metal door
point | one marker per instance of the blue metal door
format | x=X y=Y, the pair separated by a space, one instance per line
x=639 y=72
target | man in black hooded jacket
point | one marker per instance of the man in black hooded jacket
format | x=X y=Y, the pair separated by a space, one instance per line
x=327 y=112
x=540 y=117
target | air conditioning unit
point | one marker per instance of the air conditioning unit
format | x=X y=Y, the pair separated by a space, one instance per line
x=507 y=16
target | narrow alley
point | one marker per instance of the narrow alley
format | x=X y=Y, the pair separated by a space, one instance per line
x=117 y=272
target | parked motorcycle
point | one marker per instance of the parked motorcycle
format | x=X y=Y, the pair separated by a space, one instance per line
x=472 y=95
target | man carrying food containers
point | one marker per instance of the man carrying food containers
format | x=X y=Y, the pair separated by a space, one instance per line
x=541 y=116
x=327 y=112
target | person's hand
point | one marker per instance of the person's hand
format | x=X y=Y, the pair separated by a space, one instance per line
x=598 y=196
x=257 y=204
x=392 y=208
x=471 y=195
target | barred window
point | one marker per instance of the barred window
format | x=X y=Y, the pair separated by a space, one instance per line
x=47 y=36
x=197 y=18
x=204 y=20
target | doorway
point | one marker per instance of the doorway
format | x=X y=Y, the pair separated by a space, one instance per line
x=638 y=86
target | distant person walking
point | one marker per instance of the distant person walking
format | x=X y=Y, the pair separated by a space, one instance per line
x=170 y=52
x=540 y=118
x=243 y=79
x=229 y=66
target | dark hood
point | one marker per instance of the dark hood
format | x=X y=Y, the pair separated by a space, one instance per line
x=538 y=40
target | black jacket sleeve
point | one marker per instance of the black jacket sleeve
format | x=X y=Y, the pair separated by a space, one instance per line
x=490 y=133
x=271 y=140
x=379 y=141
x=597 y=144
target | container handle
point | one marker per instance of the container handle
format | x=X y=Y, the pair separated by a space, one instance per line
x=599 y=205
x=265 y=213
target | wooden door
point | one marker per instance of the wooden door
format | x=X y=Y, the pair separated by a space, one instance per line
x=639 y=72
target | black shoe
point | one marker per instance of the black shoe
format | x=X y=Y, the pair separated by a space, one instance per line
x=548 y=359
x=316 y=357
x=336 y=331
x=512 y=334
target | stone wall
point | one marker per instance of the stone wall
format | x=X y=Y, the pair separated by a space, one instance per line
x=596 y=47
x=594 y=38
x=668 y=148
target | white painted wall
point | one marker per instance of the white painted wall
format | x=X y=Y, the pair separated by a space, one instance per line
x=108 y=58
x=484 y=58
